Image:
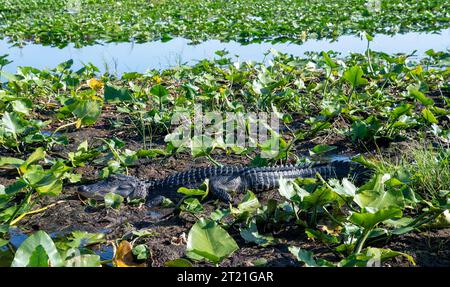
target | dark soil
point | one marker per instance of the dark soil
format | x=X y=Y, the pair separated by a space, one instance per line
x=429 y=248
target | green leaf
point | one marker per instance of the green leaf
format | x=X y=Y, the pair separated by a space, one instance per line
x=369 y=220
x=346 y=189
x=429 y=116
x=21 y=106
x=374 y=195
x=144 y=233
x=202 y=191
x=307 y=258
x=330 y=63
x=372 y=257
x=85 y=260
x=64 y=65
x=26 y=250
x=141 y=251
x=82 y=239
x=15 y=187
x=260 y=262
x=364 y=161
x=87 y=111
x=385 y=254
x=159 y=90
x=442 y=221
x=7 y=213
x=179 y=262
x=368 y=37
x=219 y=214
x=13 y=123
x=117 y=95
x=321 y=149
x=166 y=38
x=291 y=191
x=6 y=257
x=201 y=145
x=320 y=197
x=191 y=192
x=354 y=76
x=192 y=205
x=39 y=257
x=45 y=182
x=401 y=110
x=272 y=147
x=286 y=188
x=402 y=230
x=207 y=240
x=3 y=242
x=37 y=155
x=426 y=101
x=304 y=256
x=251 y=234
x=10 y=161
x=356 y=260
x=113 y=200
x=325 y=238
x=359 y=130
x=249 y=203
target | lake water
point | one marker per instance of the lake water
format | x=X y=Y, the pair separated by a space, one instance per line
x=130 y=57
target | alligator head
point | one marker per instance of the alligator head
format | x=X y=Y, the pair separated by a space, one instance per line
x=123 y=185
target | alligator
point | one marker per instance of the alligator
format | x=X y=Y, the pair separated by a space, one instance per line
x=224 y=181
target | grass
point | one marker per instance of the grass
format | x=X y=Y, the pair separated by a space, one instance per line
x=427 y=168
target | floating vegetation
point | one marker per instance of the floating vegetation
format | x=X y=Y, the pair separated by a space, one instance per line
x=83 y=22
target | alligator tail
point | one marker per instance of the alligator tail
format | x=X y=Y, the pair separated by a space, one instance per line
x=266 y=178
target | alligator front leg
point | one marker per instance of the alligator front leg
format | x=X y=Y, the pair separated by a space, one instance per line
x=224 y=187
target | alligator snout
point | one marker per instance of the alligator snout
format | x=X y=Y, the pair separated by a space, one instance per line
x=89 y=192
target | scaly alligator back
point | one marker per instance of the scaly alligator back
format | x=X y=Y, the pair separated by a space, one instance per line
x=231 y=179
x=194 y=176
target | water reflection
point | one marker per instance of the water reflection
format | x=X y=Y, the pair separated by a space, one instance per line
x=127 y=57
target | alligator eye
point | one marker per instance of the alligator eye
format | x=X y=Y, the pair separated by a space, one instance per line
x=125 y=186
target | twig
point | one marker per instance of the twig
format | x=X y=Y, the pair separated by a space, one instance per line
x=61 y=127
x=20 y=217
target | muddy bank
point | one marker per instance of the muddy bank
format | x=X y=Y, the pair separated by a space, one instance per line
x=167 y=242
